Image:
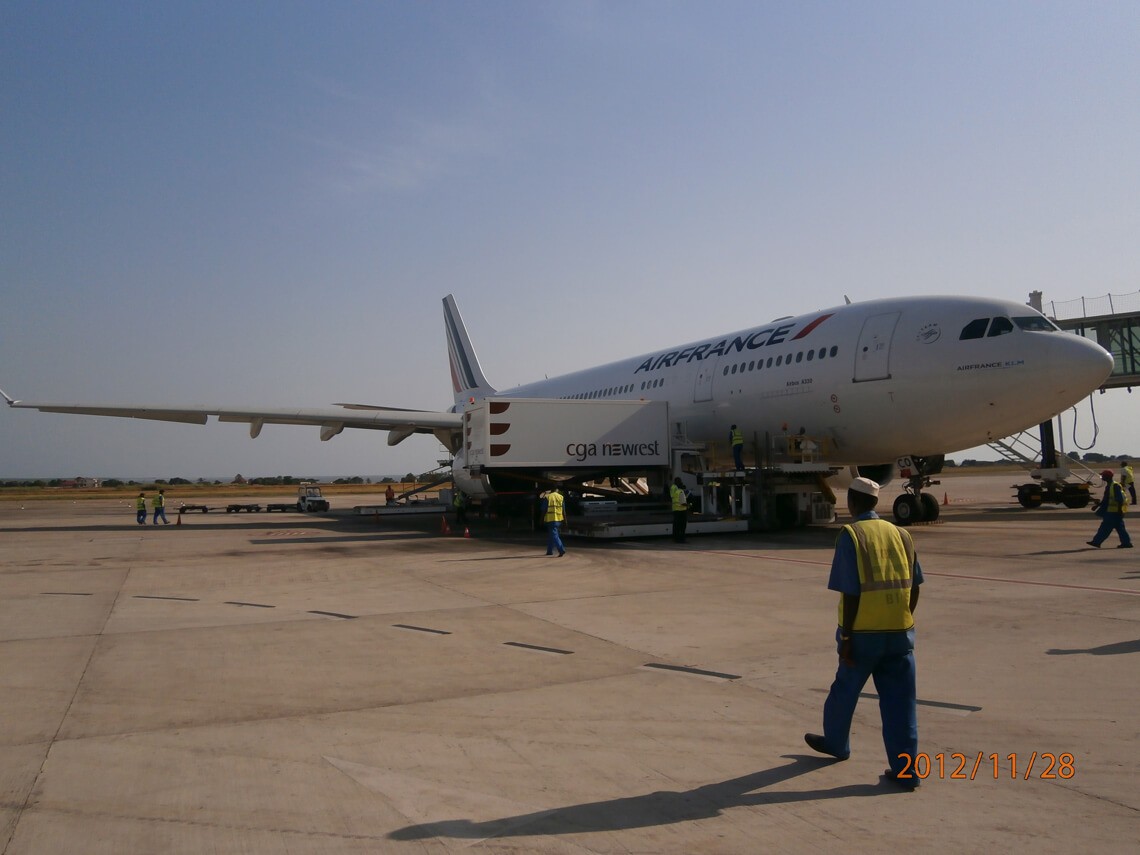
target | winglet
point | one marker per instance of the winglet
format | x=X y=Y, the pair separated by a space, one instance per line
x=467 y=378
x=11 y=401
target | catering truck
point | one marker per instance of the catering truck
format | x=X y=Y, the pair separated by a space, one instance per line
x=543 y=438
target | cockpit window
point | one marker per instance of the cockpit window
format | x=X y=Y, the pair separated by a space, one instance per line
x=1035 y=323
x=1000 y=326
x=974 y=329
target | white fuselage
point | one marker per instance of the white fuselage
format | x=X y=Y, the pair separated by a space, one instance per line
x=876 y=380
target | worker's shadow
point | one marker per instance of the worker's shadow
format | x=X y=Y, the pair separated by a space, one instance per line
x=1104 y=650
x=649 y=809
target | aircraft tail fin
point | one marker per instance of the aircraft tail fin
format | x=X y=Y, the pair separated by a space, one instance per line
x=467 y=378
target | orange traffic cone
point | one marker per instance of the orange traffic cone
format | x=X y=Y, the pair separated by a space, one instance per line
x=945 y=499
x=179 y=519
x=443 y=526
x=466 y=531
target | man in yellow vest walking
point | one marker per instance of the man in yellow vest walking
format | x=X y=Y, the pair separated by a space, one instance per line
x=877 y=574
x=553 y=516
x=1111 y=512
x=160 y=509
x=140 y=509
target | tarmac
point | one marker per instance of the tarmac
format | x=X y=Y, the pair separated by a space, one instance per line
x=329 y=683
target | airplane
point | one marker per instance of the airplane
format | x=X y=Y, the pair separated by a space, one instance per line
x=873 y=383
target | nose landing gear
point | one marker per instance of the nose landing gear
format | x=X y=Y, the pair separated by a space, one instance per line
x=914 y=505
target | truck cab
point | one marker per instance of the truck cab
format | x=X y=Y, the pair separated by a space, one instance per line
x=309 y=498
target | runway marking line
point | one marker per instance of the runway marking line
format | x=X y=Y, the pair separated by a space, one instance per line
x=538 y=648
x=948 y=575
x=699 y=672
x=1032 y=582
x=421 y=628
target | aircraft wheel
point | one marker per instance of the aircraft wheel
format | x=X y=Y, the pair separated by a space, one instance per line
x=930 y=507
x=907 y=510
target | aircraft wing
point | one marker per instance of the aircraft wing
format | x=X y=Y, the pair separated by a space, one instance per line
x=331 y=420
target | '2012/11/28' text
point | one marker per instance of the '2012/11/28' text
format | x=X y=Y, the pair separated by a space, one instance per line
x=961 y=767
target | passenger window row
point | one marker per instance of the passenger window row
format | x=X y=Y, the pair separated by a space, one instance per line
x=801 y=356
x=607 y=392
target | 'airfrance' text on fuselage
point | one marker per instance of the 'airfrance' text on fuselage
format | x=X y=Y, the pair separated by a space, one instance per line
x=760 y=338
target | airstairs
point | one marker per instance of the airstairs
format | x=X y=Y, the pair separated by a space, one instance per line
x=1057 y=479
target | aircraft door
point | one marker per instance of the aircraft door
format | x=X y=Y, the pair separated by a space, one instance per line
x=873 y=355
x=702 y=388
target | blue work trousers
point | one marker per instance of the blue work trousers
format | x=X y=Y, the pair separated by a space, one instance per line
x=888 y=657
x=553 y=539
x=1109 y=523
x=160 y=512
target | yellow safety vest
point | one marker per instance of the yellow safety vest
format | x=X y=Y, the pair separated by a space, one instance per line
x=885 y=557
x=1117 y=501
x=1126 y=476
x=140 y=503
x=159 y=501
x=554 y=508
x=680 y=500
x=737 y=437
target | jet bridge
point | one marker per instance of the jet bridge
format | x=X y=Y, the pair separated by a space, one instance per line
x=1112 y=321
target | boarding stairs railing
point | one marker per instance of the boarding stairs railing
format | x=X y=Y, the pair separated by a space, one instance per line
x=1024 y=449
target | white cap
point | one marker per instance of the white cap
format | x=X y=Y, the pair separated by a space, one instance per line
x=865 y=485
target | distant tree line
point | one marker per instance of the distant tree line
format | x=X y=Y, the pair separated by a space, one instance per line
x=1088 y=457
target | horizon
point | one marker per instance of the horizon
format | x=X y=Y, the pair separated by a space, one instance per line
x=951 y=462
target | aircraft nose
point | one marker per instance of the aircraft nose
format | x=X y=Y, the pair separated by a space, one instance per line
x=1079 y=365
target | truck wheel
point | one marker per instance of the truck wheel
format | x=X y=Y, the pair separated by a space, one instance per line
x=1075 y=498
x=1029 y=496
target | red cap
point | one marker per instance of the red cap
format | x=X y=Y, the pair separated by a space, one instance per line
x=1107 y=473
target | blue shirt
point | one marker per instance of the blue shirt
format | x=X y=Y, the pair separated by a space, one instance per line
x=845 y=566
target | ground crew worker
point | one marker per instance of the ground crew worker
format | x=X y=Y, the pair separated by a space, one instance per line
x=140 y=509
x=1111 y=512
x=159 y=510
x=737 y=439
x=553 y=516
x=679 y=500
x=459 y=501
x=877 y=574
x=1127 y=481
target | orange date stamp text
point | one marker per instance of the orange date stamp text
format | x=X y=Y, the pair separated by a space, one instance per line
x=1044 y=765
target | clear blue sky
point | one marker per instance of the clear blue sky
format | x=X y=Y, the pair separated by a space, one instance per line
x=263 y=203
